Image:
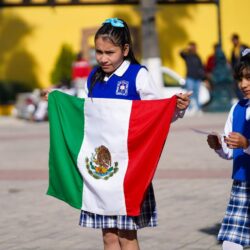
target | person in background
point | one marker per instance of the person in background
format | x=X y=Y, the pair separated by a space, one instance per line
x=236 y=52
x=80 y=71
x=237 y=49
x=235 y=144
x=222 y=77
x=210 y=63
x=195 y=73
x=209 y=67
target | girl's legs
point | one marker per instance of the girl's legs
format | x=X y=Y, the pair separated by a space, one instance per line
x=128 y=239
x=111 y=239
x=227 y=245
x=115 y=239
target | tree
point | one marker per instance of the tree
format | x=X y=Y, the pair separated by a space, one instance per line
x=62 y=70
x=150 y=48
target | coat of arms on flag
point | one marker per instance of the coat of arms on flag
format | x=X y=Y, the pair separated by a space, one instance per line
x=104 y=152
x=100 y=164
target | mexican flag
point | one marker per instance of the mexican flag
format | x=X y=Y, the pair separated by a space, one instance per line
x=104 y=152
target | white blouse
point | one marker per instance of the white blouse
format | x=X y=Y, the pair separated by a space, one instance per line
x=226 y=152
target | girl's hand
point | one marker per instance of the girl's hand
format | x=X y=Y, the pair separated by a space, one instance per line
x=214 y=141
x=236 y=140
x=183 y=100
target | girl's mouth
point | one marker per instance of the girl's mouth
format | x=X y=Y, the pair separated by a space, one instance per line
x=105 y=66
x=246 y=93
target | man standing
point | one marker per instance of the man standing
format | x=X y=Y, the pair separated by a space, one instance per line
x=236 y=52
x=194 y=76
x=237 y=49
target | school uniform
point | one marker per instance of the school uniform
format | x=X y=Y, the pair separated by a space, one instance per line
x=130 y=82
x=236 y=222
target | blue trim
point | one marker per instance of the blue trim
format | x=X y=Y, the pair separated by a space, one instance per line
x=241 y=160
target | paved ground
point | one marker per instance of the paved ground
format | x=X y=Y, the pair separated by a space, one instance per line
x=191 y=185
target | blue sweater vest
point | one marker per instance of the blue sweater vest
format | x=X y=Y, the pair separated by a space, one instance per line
x=117 y=87
x=241 y=160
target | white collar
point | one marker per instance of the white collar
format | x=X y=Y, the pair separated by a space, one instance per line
x=248 y=103
x=120 y=70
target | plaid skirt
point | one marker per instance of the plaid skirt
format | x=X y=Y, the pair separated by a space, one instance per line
x=147 y=218
x=236 y=222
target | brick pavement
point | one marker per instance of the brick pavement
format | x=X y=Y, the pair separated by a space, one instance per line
x=191 y=185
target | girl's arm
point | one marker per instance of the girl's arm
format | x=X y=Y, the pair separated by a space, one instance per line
x=146 y=86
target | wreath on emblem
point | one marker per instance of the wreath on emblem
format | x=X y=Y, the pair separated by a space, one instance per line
x=100 y=164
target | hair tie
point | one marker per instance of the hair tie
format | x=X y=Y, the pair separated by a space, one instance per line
x=245 y=52
x=115 y=22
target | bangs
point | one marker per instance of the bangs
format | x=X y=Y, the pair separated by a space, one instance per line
x=113 y=34
x=242 y=70
x=110 y=38
x=246 y=72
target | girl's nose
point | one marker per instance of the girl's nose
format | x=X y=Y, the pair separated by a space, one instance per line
x=103 y=59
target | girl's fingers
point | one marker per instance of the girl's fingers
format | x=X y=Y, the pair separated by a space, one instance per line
x=183 y=100
x=235 y=140
x=184 y=96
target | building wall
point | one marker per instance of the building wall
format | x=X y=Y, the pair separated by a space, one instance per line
x=31 y=38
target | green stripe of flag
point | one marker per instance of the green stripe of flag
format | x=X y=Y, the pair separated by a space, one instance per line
x=66 y=137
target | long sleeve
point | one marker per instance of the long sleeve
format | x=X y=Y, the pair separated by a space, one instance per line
x=225 y=152
x=146 y=87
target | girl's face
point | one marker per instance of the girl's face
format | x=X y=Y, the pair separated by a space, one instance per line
x=244 y=83
x=108 y=55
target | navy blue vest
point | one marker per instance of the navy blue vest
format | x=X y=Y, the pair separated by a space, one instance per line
x=241 y=160
x=117 y=87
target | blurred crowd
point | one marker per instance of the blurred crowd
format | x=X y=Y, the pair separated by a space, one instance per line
x=33 y=106
x=216 y=73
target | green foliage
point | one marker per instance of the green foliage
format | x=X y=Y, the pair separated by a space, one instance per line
x=62 y=70
x=18 y=66
x=10 y=89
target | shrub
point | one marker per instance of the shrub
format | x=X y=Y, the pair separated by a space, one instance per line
x=62 y=70
x=10 y=89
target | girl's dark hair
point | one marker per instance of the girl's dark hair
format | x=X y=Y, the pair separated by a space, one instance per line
x=243 y=64
x=119 y=36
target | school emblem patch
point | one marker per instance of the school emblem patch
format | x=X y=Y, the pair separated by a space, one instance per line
x=100 y=164
x=122 y=88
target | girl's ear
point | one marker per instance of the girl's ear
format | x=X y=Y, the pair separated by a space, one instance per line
x=125 y=50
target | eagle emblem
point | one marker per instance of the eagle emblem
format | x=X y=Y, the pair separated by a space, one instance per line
x=100 y=164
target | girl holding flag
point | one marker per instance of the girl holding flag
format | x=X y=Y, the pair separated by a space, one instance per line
x=120 y=76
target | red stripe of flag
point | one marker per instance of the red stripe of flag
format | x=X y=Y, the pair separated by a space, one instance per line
x=148 y=129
